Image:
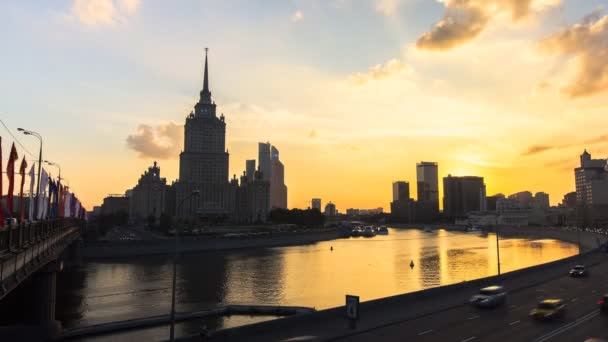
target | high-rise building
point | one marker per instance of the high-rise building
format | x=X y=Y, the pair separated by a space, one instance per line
x=569 y=200
x=462 y=195
x=250 y=170
x=541 y=200
x=491 y=201
x=523 y=199
x=316 y=204
x=428 y=182
x=273 y=171
x=401 y=191
x=330 y=209
x=148 y=196
x=591 y=190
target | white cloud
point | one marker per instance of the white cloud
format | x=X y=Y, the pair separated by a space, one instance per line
x=391 y=68
x=297 y=16
x=387 y=7
x=103 y=12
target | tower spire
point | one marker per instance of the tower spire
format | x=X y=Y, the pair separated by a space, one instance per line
x=206 y=80
x=205 y=93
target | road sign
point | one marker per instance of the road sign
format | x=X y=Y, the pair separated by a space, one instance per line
x=352 y=307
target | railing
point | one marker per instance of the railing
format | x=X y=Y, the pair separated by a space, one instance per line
x=19 y=237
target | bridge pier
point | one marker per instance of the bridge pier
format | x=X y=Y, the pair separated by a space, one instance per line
x=45 y=297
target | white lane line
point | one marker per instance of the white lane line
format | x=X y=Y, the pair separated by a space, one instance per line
x=513 y=323
x=469 y=339
x=425 y=332
x=567 y=326
x=472 y=317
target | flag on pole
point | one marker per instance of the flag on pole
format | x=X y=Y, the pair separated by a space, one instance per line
x=32 y=175
x=22 y=173
x=10 y=172
x=44 y=180
x=1 y=177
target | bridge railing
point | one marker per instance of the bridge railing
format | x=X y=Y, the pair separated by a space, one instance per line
x=18 y=237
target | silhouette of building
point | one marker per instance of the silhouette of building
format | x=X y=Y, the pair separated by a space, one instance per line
x=148 y=196
x=427 y=205
x=491 y=201
x=401 y=191
x=316 y=204
x=463 y=195
x=523 y=199
x=115 y=203
x=569 y=200
x=592 y=190
x=203 y=166
x=541 y=200
x=250 y=170
x=330 y=209
x=273 y=171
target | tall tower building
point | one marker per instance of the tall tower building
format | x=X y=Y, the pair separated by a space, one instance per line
x=203 y=164
x=401 y=191
x=462 y=195
x=273 y=171
x=591 y=190
x=316 y=204
x=250 y=170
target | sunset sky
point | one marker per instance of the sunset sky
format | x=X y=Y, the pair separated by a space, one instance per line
x=352 y=92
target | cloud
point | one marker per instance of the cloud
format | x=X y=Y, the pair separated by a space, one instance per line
x=464 y=20
x=586 y=44
x=381 y=71
x=162 y=142
x=535 y=149
x=297 y=16
x=103 y=12
x=387 y=7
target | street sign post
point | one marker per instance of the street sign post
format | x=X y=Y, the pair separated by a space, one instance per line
x=352 y=310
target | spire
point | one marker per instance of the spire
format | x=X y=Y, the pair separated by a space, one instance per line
x=206 y=81
x=205 y=93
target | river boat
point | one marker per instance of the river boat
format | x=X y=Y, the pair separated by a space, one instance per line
x=382 y=230
x=428 y=229
x=369 y=232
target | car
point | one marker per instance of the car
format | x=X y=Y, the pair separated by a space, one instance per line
x=578 y=271
x=549 y=309
x=489 y=297
x=603 y=303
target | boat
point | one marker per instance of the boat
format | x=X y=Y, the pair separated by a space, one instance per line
x=428 y=229
x=369 y=232
x=473 y=229
x=356 y=232
x=382 y=230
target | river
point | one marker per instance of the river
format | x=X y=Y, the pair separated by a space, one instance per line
x=310 y=275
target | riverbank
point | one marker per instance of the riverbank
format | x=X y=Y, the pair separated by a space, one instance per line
x=116 y=249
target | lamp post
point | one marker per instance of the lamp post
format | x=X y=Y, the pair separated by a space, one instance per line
x=497 y=252
x=55 y=164
x=28 y=132
x=175 y=255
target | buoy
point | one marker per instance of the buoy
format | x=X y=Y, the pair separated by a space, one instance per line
x=331 y=248
x=412 y=264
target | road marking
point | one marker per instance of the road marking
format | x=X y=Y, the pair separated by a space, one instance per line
x=472 y=317
x=567 y=326
x=425 y=332
x=469 y=339
x=513 y=323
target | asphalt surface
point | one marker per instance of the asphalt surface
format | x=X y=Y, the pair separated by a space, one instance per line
x=511 y=321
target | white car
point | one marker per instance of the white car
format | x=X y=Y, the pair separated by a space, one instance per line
x=489 y=297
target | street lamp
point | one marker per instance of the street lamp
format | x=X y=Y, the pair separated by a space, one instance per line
x=27 y=132
x=55 y=164
x=175 y=255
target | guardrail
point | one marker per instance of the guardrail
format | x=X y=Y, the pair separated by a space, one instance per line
x=19 y=237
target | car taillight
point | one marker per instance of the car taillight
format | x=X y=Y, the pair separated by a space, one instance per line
x=601 y=302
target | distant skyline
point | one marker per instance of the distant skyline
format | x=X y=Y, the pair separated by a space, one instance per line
x=353 y=93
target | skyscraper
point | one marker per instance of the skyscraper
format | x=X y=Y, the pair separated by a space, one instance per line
x=427 y=205
x=462 y=195
x=273 y=171
x=316 y=203
x=591 y=190
x=401 y=191
x=250 y=170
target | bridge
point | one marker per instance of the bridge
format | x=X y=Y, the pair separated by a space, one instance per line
x=443 y=313
x=31 y=254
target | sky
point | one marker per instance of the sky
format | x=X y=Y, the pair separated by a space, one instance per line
x=353 y=93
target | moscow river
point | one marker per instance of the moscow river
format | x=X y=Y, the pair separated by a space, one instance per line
x=310 y=275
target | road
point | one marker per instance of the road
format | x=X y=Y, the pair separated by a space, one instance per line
x=511 y=322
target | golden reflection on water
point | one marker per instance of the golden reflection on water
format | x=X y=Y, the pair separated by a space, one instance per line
x=314 y=275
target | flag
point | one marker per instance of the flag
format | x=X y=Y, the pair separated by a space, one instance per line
x=22 y=173
x=44 y=179
x=1 y=177
x=10 y=172
x=32 y=174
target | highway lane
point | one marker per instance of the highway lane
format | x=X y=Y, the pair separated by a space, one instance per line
x=511 y=322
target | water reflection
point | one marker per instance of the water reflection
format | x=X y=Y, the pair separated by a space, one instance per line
x=311 y=275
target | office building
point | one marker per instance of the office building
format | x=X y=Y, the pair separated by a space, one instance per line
x=316 y=204
x=401 y=191
x=462 y=195
x=427 y=205
x=541 y=200
x=250 y=170
x=569 y=200
x=523 y=199
x=330 y=209
x=592 y=190
x=491 y=201
x=273 y=171
x=148 y=196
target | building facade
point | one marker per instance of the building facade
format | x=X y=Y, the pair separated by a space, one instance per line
x=463 y=195
x=427 y=205
x=401 y=191
x=273 y=171
x=591 y=179
x=316 y=204
x=330 y=209
x=148 y=196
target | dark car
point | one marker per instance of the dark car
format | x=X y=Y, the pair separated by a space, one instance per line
x=603 y=303
x=578 y=271
x=549 y=309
